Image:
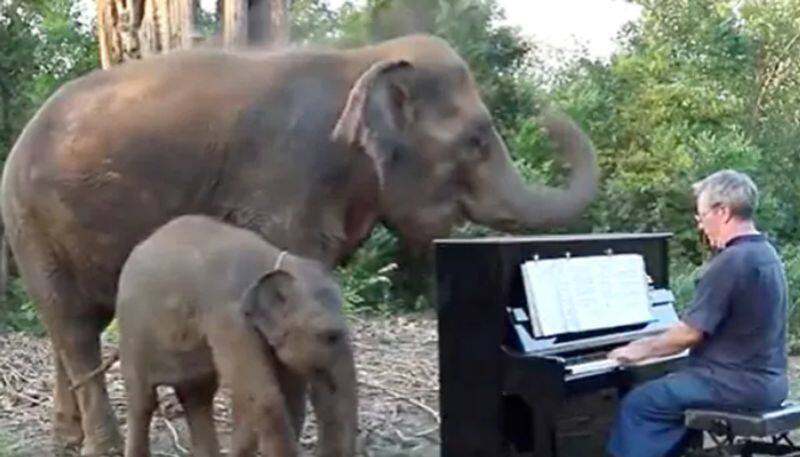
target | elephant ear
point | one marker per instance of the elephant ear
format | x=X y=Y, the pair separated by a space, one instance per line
x=265 y=305
x=378 y=103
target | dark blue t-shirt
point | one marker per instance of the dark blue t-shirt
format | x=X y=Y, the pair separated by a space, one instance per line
x=740 y=304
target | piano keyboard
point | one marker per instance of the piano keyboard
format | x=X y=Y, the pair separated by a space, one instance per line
x=598 y=363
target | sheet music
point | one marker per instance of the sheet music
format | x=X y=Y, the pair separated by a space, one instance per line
x=586 y=293
x=545 y=317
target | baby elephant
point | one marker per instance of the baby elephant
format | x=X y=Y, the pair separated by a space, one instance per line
x=199 y=301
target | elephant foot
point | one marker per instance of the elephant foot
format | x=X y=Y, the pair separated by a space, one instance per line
x=113 y=451
x=106 y=444
x=60 y=449
x=68 y=432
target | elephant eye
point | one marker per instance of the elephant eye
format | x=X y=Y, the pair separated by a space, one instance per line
x=331 y=337
x=474 y=141
x=395 y=156
x=476 y=148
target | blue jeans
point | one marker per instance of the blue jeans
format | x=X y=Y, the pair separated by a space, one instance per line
x=649 y=422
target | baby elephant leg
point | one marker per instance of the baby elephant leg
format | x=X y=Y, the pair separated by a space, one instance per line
x=197 y=398
x=244 y=439
x=247 y=368
x=142 y=401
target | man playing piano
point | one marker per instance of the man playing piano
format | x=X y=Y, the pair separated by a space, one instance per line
x=735 y=328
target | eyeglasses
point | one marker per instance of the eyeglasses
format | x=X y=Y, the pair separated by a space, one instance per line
x=700 y=216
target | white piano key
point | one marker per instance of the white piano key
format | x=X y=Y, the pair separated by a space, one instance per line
x=594 y=365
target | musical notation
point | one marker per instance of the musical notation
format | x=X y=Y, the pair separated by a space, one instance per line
x=578 y=294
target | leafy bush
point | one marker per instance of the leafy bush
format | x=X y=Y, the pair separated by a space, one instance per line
x=22 y=315
x=791 y=258
x=366 y=280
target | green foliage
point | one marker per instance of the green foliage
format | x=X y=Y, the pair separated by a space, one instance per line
x=22 y=315
x=366 y=280
x=791 y=257
x=42 y=45
x=206 y=23
x=774 y=29
x=17 y=43
x=499 y=58
x=313 y=21
x=683 y=276
x=679 y=102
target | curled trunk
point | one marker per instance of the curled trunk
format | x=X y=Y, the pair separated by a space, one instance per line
x=513 y=206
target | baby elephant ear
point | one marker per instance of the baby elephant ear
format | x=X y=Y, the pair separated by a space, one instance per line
x=265 y=304
x=351 y=126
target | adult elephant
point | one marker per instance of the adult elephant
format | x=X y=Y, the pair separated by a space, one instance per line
x=309 y=148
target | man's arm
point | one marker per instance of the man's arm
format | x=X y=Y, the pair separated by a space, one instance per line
x=677 y=338
x=707 y=310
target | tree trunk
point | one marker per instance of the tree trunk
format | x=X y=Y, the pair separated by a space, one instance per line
x=132 y=29
x=166 y=25
x=234 y=23
x=256 y=22
x=116 y=36
x=279 y=22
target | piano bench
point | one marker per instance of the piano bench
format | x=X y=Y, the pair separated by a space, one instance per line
x=745 y=433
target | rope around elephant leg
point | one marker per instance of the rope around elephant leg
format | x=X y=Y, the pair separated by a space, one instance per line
x=104 y=366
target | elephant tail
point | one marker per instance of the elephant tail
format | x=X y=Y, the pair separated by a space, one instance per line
x=104 y=366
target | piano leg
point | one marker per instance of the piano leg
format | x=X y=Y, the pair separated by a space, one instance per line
x=574 y=426
x=543 y=432
x=543 y=415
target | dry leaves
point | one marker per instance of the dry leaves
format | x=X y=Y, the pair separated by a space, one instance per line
x=396 y=358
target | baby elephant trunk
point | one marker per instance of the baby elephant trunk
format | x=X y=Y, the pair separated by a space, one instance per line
x=335 y=399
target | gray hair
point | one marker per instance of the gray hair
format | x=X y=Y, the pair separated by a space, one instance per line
x=732 y=189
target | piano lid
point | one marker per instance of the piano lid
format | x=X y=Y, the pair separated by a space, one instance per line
x=592 y=237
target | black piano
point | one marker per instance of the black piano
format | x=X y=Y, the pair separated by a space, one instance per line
x=504 y=392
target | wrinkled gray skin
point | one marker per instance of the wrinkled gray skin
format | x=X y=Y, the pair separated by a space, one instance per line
x=200 y=300
x=308 y=148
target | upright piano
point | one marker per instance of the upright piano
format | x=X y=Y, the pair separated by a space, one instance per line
x=503 y=391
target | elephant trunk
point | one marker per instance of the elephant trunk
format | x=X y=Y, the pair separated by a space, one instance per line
x=335 y=399
x=513 y=206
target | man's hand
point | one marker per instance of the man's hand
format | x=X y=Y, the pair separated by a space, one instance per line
x=630 y=353
x=677 y=338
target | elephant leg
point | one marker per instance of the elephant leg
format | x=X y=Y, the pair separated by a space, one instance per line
x=80 y=353
x=197 y=399
x=244 y=439
x=293 y=387
x=142 y=401
x=66 y=414
x=74 y=326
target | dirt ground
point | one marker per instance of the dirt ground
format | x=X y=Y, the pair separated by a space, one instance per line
x=398 y=385
x=397 y=366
